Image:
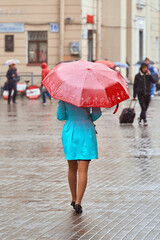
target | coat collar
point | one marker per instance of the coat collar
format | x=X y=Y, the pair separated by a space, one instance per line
x=141 y=73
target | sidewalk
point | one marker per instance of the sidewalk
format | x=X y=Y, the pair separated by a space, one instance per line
x=122 y=200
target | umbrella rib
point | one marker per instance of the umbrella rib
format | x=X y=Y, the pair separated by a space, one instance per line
x=59 y=85
x=96 y=80
x=102 y=86
x=83 y=85
x=105 y=89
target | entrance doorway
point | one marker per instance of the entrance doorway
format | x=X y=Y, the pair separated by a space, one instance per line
x=90 y=45
x=141 y=38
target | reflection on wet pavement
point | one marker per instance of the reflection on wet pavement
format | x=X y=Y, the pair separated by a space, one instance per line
x=122 y=200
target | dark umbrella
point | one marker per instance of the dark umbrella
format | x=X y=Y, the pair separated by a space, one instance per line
x=143 y=61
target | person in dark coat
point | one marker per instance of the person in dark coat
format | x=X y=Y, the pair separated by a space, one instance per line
x=127 y=69
x=12 y=77
x=154 y=74
x=142 y=89
x=45 y=71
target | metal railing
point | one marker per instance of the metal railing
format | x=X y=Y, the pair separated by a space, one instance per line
x=29 y=78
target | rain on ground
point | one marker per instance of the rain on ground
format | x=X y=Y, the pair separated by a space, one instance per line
x=122 y=200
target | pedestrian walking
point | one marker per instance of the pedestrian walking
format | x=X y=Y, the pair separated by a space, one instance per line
x=12 y=77
x=142 y=89
x=153 y=73
x=80 y=146
x=82 y=88
x=127 y=69
x=45 y=71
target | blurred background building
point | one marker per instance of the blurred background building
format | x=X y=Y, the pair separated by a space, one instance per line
x=130 y=29
x=66 y=30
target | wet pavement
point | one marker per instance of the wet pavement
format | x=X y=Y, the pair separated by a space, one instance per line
x=122 y=200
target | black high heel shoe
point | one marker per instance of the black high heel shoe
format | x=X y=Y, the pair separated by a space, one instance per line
x=73 y=204
x=78 y=208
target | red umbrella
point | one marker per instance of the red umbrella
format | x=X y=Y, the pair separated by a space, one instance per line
x=107 y=63
x=86 y=84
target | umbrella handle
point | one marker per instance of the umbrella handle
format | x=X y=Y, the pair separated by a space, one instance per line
x=116 y=108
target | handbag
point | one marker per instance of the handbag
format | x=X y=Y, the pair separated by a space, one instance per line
x=16 y=78
x=91 y=119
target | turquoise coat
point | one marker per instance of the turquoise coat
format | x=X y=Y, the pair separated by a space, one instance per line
x=78 y=135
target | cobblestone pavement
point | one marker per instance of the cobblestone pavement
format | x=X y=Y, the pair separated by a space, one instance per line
x=122 y=200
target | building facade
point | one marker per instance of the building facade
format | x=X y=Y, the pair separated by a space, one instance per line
x=131 y=30
x=66 y=30
x=48 y=31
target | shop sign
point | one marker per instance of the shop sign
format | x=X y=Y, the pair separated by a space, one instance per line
x=11 y=27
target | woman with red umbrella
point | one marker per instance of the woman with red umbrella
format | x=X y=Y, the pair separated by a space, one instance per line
x=80 y=146
x=83 y=87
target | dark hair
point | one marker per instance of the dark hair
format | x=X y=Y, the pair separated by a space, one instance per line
x=143 y=65
x=147 y=59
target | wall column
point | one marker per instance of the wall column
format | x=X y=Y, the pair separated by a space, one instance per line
x=98 y=35
x=61 y=48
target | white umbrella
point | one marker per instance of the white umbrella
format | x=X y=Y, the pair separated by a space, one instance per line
x=120 y=64
x=11 y=61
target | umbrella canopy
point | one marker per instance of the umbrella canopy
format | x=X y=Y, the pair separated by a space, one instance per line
x=107 y=63
x=142 y=61
x=11 y=61
x=120 y=64
x=86 y=84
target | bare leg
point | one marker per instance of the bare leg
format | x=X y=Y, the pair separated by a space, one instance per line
x=82 y=179
x=72 y=178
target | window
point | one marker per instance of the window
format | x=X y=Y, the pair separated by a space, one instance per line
x=37 y=47
x=157 y=5
x=90 y=45
x=151 y=49
x=157 y=49
x=141 y=45
x=9 y=43
x=140 y=4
